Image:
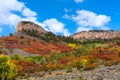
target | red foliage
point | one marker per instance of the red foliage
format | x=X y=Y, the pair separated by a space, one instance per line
x=103 y=55
x=36 y=47
x=25 y=67
x=64 y=61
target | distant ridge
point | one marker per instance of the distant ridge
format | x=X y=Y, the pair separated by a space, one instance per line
x=93 y=34
x=35 y=30
x=31 y=30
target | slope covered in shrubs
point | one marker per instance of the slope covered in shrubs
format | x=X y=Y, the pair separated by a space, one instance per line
x=58 y=56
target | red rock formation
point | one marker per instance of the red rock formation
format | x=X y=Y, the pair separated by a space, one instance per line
x=29 y=25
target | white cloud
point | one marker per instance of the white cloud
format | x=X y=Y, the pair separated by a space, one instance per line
x=89 y=20
x=83 y=29
x=9 y=18
x=7 y=15
x=104 y=28
x=78 y=1
x=32 y=19
x=28 y=13
x=67 y=10
x=55 y=26
x=10 y=5
x=66 y=16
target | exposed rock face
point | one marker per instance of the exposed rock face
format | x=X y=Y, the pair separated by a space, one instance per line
x=96 y=34
x=16 y=51
x=26 y=25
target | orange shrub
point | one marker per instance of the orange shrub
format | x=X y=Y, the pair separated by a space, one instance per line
x=15 y=62
x=61 y=66
x=74 y=63
x=108 y=63
x=51 y=66
x=90 y=66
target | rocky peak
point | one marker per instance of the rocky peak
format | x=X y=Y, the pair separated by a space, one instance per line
x=103 y=34
x=27 y=25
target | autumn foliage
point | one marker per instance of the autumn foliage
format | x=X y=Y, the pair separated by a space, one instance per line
x=53 y=56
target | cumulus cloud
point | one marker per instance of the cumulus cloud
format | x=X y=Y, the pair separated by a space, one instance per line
x=66 y=16
x=78 y=1
x=91 y=20
x=56 y=26
x=88 y=20
x=7 y=15
x=28 y=13
x=9 y=18
x=67 y=10
x=10 y=5
x=83 y=29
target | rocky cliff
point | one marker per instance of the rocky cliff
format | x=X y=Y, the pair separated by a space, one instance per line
x=96 y=34
x=26 y=25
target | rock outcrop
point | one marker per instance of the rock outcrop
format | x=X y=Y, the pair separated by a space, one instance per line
x=27 y=25
x=96 y=34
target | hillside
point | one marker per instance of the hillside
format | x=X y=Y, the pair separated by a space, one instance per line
x=34 y=31
x=34 y=52
x=100 y=34
x=31 y=46
x=32 y=39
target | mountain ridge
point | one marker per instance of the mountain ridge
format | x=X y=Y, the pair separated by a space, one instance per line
x=95 y=34
x=35 y=30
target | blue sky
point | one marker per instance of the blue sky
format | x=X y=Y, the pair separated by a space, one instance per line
x=63 y=17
